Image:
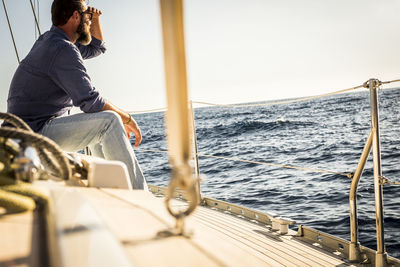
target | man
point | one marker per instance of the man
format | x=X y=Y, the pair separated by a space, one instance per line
x=52 y=79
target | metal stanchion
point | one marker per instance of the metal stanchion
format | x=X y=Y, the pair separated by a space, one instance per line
x=374 y=143
x=381 y=256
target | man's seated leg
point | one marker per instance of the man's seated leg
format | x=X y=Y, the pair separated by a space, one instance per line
x=105 y=131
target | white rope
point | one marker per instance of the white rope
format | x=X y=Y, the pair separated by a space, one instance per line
x=349 y=175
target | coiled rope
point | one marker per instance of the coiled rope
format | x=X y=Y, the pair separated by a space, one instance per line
x=349 y=175
x=17 y=196
x=43 y=145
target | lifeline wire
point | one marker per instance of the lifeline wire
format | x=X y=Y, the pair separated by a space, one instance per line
x=271 y=103
x=293 y=100
x=147 y=111
x=387 y=181
x=392 y=81
x=256 y=105
x=349 y=175
x=282 y=102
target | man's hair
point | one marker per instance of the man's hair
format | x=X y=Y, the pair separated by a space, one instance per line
x=62 y=10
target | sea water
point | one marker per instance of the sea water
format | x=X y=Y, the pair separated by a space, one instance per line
x=327 y=133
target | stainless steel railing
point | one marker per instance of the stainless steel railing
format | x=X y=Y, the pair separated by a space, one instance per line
x=374 y=142
x=381 y=257
x=354 y=249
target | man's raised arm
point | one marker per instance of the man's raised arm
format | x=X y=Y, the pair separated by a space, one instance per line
x=96 y=46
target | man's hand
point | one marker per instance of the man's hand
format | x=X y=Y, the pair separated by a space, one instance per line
x=94 y=11
x=129 y=123
x=95 y=27
x=132 y=126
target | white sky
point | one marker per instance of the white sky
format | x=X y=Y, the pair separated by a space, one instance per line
x=237 y=50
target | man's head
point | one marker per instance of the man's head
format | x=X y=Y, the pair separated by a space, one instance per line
x=72 y=11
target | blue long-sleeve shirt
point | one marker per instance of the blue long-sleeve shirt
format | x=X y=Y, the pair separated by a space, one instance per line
x=52 y=79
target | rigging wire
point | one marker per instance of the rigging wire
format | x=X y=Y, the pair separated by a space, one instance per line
x=38 y=10
x=36 y=7
x=349 y=175
x=34 y=15
x=11 y=32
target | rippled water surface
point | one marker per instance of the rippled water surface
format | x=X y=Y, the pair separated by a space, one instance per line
x=327 y=133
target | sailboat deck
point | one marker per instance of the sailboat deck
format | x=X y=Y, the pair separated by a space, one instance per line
x=217 y=239
x=115 y=227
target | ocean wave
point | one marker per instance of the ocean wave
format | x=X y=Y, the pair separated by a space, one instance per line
x=248 y=127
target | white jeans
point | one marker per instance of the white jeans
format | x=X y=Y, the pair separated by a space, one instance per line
x=103 y=132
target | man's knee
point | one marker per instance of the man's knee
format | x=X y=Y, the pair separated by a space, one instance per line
x=111 y=117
